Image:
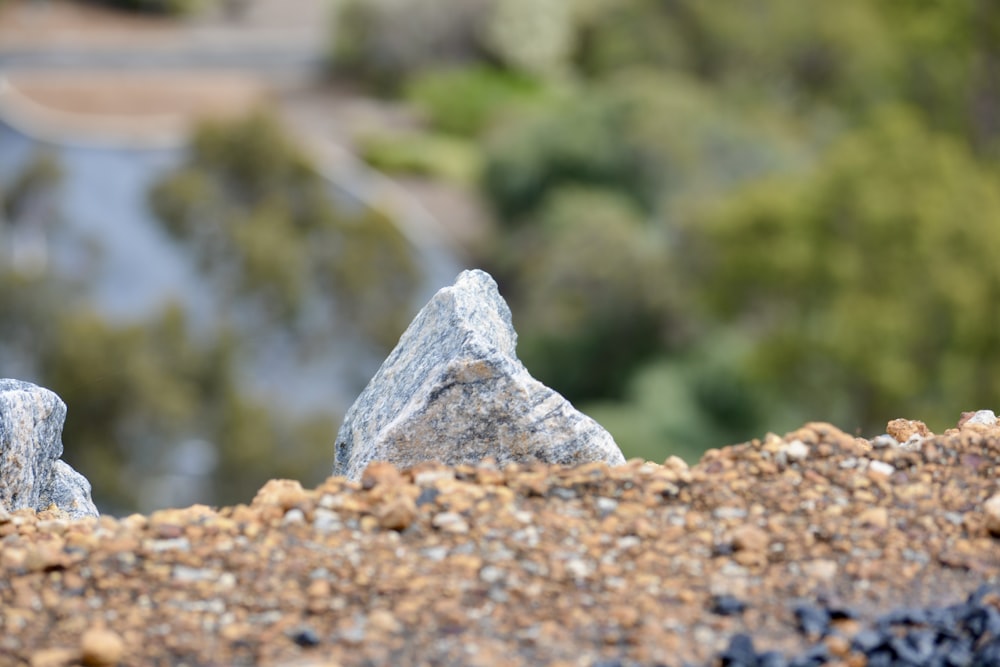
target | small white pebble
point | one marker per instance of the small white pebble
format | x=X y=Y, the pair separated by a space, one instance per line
x=606 y=505
x=428 y=477
x=913 y=443
x=628 y=541
x=491 y=574
x=294 y=516
x=884 y=440
x=523 y=516
x=435 y=553
x=577 y=568
x=797 y=450
x=985 y=417
x=177 y=543
x=450 y=522
x=881 y=468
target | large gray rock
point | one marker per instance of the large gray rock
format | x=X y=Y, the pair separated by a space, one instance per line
x=454 y=391
x=31 y=473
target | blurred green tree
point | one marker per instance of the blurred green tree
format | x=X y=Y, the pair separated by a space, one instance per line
x=264 y=225
x=590 y=305
x=136 y=391
x=770 y=162
x=466 y=101
x=869 y=282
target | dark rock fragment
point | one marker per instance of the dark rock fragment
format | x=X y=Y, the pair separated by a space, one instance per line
x=812 y=621
x=727 y=605
x=305 y=636
x=740 y=652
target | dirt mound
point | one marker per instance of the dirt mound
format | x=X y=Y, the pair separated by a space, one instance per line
x=638 y=564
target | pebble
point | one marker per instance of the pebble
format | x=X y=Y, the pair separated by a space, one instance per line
x=749 y=538
x=903 y=430
x=305 y=636
x=727 y=605
x=397 y=514
x=796 y=450
x=991 y=510
x=984 y=417
x=883 y=441
x=881 y=468
x=100 y=647
x=450 y=522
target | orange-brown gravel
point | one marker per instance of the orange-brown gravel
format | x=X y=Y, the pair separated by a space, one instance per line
x=527 y=565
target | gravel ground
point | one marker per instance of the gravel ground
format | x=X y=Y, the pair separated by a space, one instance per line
x=813 y=548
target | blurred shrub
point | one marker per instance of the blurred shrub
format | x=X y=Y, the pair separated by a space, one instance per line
x=386 y=41
x=422 y=154
x=869 y=281
x=782 y=48
x=31 y=187
x=136 y=391
x=166 y=7
x=534 y=36
x=684 y=404
x=592 y=189
x=589 y=306
x=659 y=140
x=568 y=143
x=466 y=101
x=264 y=225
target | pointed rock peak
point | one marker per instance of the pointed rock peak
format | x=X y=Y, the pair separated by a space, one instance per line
x=454 y=391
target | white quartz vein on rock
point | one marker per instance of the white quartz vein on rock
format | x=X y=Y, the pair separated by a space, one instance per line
x=454 y=391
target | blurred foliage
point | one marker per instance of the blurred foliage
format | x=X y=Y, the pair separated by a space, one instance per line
x=31 y=186
x=718 y=218
x=422 y=154
x=385 y=41
x=389 y=42
x=873 y=274
x=135 y=390
x=261 y=220
x=285 y=262
x=531 y=35
x=465 y=101
x=567 y=144
x=161 y=7
x=687 y=404
x=585 y=273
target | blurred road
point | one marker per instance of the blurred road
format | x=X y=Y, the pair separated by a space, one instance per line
x=268 y=37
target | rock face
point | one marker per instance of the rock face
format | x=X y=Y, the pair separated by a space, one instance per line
x=31 y=474
x=454 y=391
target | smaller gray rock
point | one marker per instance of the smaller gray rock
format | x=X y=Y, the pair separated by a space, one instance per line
x=454 y=391
x=31 y=472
